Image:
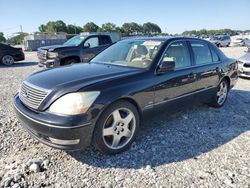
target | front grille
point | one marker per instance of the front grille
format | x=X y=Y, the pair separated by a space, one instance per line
x=31 y=96
x=246 y=73
x=42 y=54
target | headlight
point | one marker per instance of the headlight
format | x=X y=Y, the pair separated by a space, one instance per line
x=52 y=54
x=74 y=103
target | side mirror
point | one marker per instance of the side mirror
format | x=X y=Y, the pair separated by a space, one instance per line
x=86 y=45
x=166 y=66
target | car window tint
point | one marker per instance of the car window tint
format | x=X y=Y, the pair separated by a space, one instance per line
x=105 y=40
x=178 y=53
x=93 y=42
x=214 y=55
x=202 y=54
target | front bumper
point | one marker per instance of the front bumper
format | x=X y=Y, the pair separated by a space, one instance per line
x=61 y=132
x=244 y=71
x=49 y=63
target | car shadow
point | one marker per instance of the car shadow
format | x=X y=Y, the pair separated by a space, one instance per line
x=179 y=134
x=19 y=64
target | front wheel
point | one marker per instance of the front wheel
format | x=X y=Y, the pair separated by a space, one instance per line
x=116 y=128
x=220 y=97
x=8 y=60
x=69 y=61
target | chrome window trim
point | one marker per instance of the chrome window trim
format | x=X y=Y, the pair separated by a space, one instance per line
x=192 y=66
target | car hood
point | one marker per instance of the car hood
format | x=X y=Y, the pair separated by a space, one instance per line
x=77 y=76
x=55 y=47
x=245 y=58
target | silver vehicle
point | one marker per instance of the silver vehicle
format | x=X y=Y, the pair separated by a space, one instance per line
x=221 y=40
x=241 y=42
x=244 y=65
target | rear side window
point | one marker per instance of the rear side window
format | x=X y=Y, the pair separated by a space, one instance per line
x=105 y=40
x=178 y=52
x=202 y=54
x=214 y=55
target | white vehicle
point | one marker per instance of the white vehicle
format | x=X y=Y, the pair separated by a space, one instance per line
x=244 y=65
x=241 y=42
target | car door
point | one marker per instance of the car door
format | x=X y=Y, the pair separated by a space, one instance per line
x=90 y=48
x=180 y=82
x=207 y=64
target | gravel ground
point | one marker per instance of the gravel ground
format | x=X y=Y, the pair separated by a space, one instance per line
x=196 y=146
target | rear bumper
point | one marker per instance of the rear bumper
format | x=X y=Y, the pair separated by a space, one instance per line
x=55 y=131
x=49 y=63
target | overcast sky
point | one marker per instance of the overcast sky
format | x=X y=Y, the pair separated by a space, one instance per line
x=172 y=16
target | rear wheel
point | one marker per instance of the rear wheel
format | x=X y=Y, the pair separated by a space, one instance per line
x=116 y=128
x=220 y=97
x=8 y=60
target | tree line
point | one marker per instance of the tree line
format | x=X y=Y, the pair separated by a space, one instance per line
x=127 y=29
x=211 y=32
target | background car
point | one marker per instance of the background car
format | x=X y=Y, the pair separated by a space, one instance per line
x=103 y=102
x=221 y=40
x=9 y=54
x=241 y=42
x=244 y=65
x=81 y=48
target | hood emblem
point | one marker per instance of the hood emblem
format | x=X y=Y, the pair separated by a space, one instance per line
x=26 y=93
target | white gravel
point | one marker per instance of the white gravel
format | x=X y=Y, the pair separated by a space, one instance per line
x=196 y=146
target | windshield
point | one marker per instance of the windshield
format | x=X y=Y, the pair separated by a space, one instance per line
x=138 y=54
x=74 y=41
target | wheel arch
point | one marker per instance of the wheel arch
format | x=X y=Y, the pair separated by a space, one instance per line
x=77 y=58
x=227 y=79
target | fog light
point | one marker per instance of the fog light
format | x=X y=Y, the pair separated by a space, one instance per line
x=64 y=142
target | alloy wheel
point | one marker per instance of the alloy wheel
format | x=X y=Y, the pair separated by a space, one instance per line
x=222 y=93
x=119 y=128
x=8 y=60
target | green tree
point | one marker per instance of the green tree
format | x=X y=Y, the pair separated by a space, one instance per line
x=108 y=27
x=60 y=26
x=51 y=27
x=131 y=29
x=90 y=27
x=72 y=29
x=2 y=38
x=42 y=28
x=151 y=28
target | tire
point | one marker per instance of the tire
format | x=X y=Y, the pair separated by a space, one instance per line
x=7 y=60
x=220 y=97
x=69 y=61
x=114 y=134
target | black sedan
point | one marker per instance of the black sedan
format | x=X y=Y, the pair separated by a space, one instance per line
x=9 y=54
x=103 y=102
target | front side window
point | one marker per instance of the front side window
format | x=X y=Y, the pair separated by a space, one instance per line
x=178 y=52
x=202 y=54
x=92 y=42
x=138 y=53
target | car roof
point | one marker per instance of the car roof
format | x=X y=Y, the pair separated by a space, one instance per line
x=163 y=39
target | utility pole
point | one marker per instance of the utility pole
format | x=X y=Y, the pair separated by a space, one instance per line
x=21 y=28
x=75 y=28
